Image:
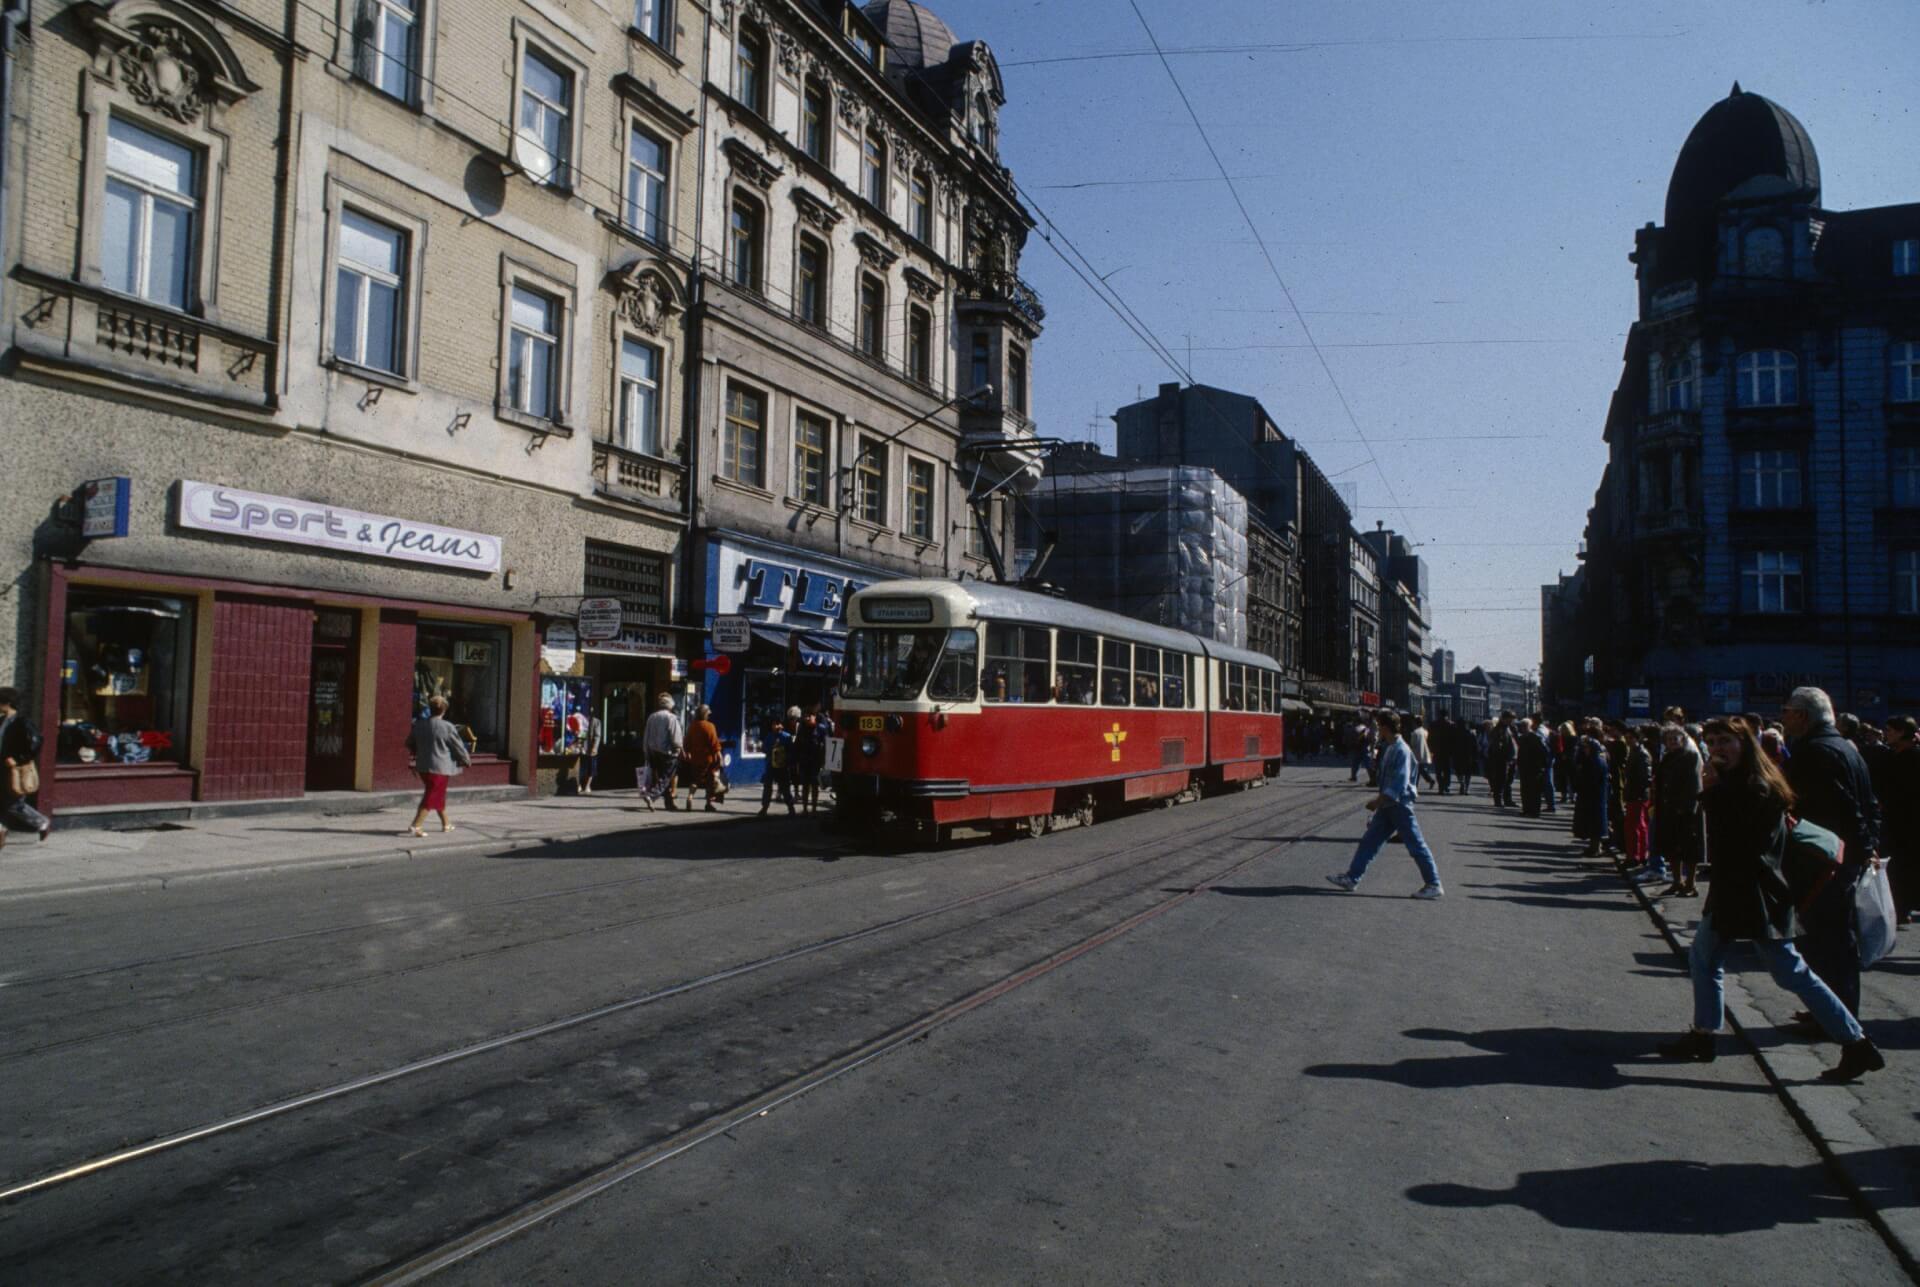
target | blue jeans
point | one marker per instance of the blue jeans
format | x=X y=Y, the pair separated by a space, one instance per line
x=1707 y=956
x=1387 y=819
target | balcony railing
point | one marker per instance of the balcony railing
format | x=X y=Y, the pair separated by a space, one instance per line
x=629 y=475
x=998 y=286
x=1670 y=424
x=1663 y=523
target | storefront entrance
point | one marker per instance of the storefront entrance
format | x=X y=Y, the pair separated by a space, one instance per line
x=331 y=698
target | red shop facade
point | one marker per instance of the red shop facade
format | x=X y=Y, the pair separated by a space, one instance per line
x=165 y=691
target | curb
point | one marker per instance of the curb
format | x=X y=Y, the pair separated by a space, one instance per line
x=1824 y=1113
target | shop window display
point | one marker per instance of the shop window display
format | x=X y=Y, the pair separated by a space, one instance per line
x=124 y=679
x=566 y=707
x=467 y=665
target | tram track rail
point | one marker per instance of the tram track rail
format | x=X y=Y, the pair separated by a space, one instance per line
x=1158 y=849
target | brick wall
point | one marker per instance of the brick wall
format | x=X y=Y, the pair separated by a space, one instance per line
x=257 y=710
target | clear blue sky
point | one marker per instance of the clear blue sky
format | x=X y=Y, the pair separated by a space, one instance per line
x=1424 y=175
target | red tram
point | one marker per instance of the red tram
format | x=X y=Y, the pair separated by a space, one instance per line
x=979 y=704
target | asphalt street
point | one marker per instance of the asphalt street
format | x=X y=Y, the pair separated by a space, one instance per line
x=1261 y=1080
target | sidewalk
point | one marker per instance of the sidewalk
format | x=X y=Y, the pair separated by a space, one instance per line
x=72 y=861
x=1869 y=1131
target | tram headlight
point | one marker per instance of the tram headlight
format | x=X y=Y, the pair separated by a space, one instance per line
x=895 y=723
x=869 y=746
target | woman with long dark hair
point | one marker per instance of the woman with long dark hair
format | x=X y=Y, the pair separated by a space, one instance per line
x=1746 y=808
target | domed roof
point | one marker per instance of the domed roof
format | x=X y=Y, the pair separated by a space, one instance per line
x=916 y=38
x=1742 y=138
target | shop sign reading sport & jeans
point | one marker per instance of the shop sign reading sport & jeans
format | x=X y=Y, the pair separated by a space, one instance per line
x=209 y=507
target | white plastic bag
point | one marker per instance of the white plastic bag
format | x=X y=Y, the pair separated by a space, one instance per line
x=1873 y=914
x=643 y=778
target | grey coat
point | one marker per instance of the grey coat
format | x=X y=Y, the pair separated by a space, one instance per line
x=437 y=746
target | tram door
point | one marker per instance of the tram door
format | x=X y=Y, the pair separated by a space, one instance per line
x=330 y=701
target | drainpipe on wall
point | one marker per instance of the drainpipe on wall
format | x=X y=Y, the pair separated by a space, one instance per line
x=13 y=16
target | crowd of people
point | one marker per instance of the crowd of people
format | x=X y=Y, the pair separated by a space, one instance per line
x=1753 y=803
x=693 y=758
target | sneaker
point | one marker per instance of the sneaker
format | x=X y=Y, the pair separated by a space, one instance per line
x=1343 y=880
x=1429 y=892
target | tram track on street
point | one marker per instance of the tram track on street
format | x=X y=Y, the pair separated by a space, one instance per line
x=332 y=1096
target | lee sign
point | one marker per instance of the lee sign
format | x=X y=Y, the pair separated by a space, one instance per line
x=209 y=507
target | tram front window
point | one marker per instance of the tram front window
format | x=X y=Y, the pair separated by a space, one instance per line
x=893 y=665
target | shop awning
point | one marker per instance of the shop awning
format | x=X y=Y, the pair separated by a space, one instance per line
x=1294 y=706
x=812 y=649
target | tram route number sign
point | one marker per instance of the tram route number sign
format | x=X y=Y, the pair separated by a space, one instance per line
x=836 y=754
x=599 y=619
x=732 y=634
x=1639 y=699
x=872 y=723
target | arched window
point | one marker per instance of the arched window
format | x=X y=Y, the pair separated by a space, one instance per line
x=983 y=121
x=1677 y=385
x=1767 y=378
x=810 y=281
x=743 y=244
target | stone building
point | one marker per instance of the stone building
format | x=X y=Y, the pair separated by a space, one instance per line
x=1757 y=526
x=1404 y=598
x=863 y=343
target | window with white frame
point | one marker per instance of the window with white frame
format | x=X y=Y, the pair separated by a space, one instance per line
x=816 y=119
x=1771 y=581
x=743 y=245
x=1767 y=378
x=810 y=281
x=920 y=481
x=148 y=240
x=1769 y=479
x=750 y=67
x=370 y=293
x=1906 y=257
x=1904 y=469
x=920 y=217
x=744 y=435
x=811 y=434
x=870 y=481
x=1677 y=385
x=386 y=45
x=1906 y=371
x=873 y=169
x=871 y=323
x=1906 y=582
x=647 y=185
x=533 y=353
x=546 y=119
x=650 y=20
x=639 y=396
x=979 y=526
x=919 y=345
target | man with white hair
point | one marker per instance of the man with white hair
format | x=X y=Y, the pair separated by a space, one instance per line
x=1833 y=789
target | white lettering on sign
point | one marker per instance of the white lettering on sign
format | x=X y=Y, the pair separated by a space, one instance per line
x=209 y=507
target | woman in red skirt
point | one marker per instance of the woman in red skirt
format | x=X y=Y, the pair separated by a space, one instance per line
x=439 y=752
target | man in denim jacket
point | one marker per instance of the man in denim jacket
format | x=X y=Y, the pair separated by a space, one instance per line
x=1392 y=811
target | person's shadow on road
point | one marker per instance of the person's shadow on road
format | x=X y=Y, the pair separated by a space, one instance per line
x=1566 y=1058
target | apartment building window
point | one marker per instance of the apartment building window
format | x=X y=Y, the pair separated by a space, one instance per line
x=639 y=396
x=979 y=527
x=920 y=220
x=1904 y=462
x=919 y=344
x=920 y=476
x=743 y=245
x=386 y=36
x=1771 y=581
x=983 y=121
x=980 y=363
x=533 y=353
x=873 y=169
x=1769 y=479
x=810 y=282
x=816 y=119
x=148 y=240
x=546 y=119
x=650 y=19
x=647 y=185
x=1767 y=378
x=743 y=437
x=1906 y=258
x=750 y=67
x=1906 y=582
x=1906 y=371
x=870 y=481
x=1678 y=385
x=370 y=293
x=872 y=320
x=810 y=436
x=1017 y=378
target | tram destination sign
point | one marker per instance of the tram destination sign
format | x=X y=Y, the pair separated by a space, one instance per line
x=210 y=507
x=904 y=611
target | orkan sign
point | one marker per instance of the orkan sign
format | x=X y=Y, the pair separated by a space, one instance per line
x=210 y=507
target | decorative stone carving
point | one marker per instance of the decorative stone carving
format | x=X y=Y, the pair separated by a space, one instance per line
x=787 y=50
x=726 y=12
x=816 y=210
x=158 y=68
x=922 y=286
x=874 y=251
x=169 y=58
x=751 y=165
x=645 y=298
x=852 y=110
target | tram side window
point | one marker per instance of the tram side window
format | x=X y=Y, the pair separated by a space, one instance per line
x=1236 y=686
x=1077 y=674
x=1146 y=676
x=1116 y=666
x=1271 y=688
x=1018 y=661
x=956 y=678
x=1173 y=679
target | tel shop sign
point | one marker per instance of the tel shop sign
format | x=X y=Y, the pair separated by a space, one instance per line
x=210 y=507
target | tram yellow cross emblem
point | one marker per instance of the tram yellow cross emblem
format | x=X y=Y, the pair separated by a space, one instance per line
x=1114 y=738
